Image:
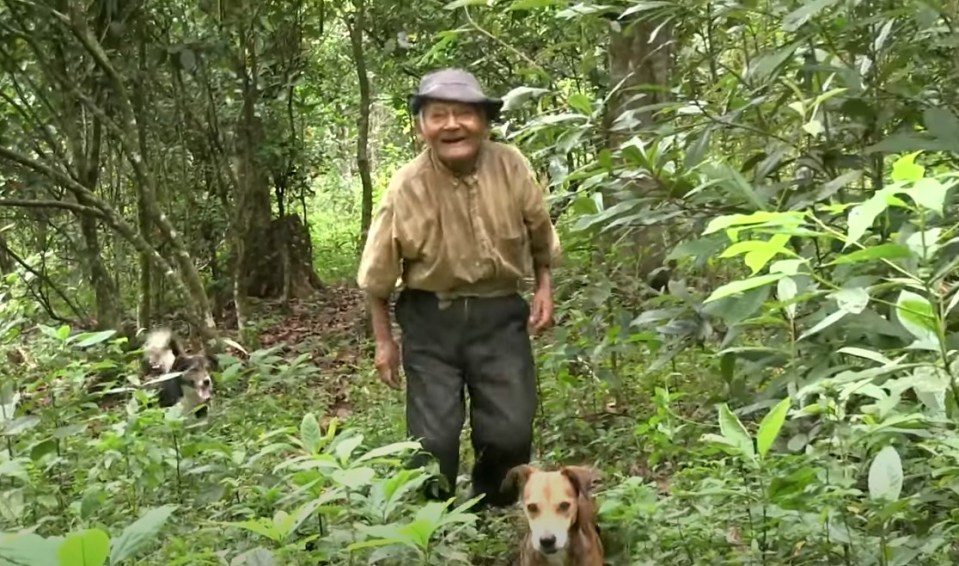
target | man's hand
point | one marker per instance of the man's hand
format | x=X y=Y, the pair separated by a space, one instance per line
x=541 y=311
x=387 y=362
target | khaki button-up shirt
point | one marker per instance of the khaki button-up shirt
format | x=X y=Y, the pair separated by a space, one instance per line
x=477 y=235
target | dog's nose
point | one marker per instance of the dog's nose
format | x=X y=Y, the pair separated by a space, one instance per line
x=548 y=542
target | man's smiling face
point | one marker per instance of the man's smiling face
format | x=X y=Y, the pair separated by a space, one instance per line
x=455 y=131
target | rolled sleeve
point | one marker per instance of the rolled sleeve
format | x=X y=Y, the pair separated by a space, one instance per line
x=380 y=263
x=543 y=238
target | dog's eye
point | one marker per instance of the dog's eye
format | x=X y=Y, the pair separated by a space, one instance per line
x=532 y=508
x=563 y=507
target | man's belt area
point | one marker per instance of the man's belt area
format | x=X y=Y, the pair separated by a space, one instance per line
x=482 y=289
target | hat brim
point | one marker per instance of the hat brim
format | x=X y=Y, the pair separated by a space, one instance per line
x=493 y=106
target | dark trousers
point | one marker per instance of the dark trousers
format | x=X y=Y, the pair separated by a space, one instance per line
x=475 y=345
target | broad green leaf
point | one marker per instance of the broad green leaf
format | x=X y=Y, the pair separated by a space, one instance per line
x=786 y=291
x=929 y=193
x=88 y=339
x=734 y=432
x=89 y=547
x=310 y=433
x=882 y=251
x=863 y=353
x=345 y=448
x=770 y=426
x=464 y=3
x=852 y=300
x=813 y=128
x=388 y=450
x=757 y=259
x=581 y=102
x=520 y=95
x=916 y=314
x=906 y=169
x=925 y=244
x=14 y=469
x=807 y=10
x=742 y=285
x=258 y=556
x=758 y=218
x=27 y=548
x=766 y=64
x=943 y=125
x=787 y=266
x=531 y=4
x=862 y=216
x=644 y=6
x=137 y=535
x=824 y=324
x=885 y=475
x=354 y=478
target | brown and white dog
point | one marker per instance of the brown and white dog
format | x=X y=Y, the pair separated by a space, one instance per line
x=561 y=516
x=183 y=378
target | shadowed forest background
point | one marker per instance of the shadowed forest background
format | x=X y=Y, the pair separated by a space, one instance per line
x=756 y=336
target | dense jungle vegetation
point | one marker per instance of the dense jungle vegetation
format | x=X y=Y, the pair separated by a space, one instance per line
x=787 y=166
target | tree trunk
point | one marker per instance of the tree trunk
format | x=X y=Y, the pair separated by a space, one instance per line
x=144 y=310
x=104 y=289
x=642 y=62
x=363 y=121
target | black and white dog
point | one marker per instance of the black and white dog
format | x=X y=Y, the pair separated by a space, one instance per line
x=183 y=378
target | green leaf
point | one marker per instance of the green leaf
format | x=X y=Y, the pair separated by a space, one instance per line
x=943 y=125
x=734 y=432
x=905 y=169
x=760 y=218
x=765 y=65
x=929 y=193
x=736 y=287
x=770 y=426
x=311 y=435
x=852 y=300
x=862 y=216
x=882 y=251
x=582 y=103
x=14 y=469
x=925 y=243
x=520 y=95
x=345 y=448
x=885 y=475
x=258 y=556
x=464 y=3
x=916 y=314
x=88 y=339
x=389 y=450
x=824 y=324
x=532 y=4
x=85 y=548
x=138 y=535
x=786 y=291
x=808 y=10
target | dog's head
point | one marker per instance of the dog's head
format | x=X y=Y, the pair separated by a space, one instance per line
x=554 y=502
x=197 y=374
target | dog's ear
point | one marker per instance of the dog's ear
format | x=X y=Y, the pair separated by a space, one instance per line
x=174 y=346
x=516 y=478
x=180 y=363
x=583 y=478
x=213 y=361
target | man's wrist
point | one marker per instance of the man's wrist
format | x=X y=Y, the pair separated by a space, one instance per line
x=544 y=280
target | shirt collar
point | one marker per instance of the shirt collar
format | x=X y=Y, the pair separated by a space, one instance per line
x=470 y=177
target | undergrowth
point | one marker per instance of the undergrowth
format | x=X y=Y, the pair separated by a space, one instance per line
x=813 y=424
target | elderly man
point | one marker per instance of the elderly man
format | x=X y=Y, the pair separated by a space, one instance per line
x=461 y=225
